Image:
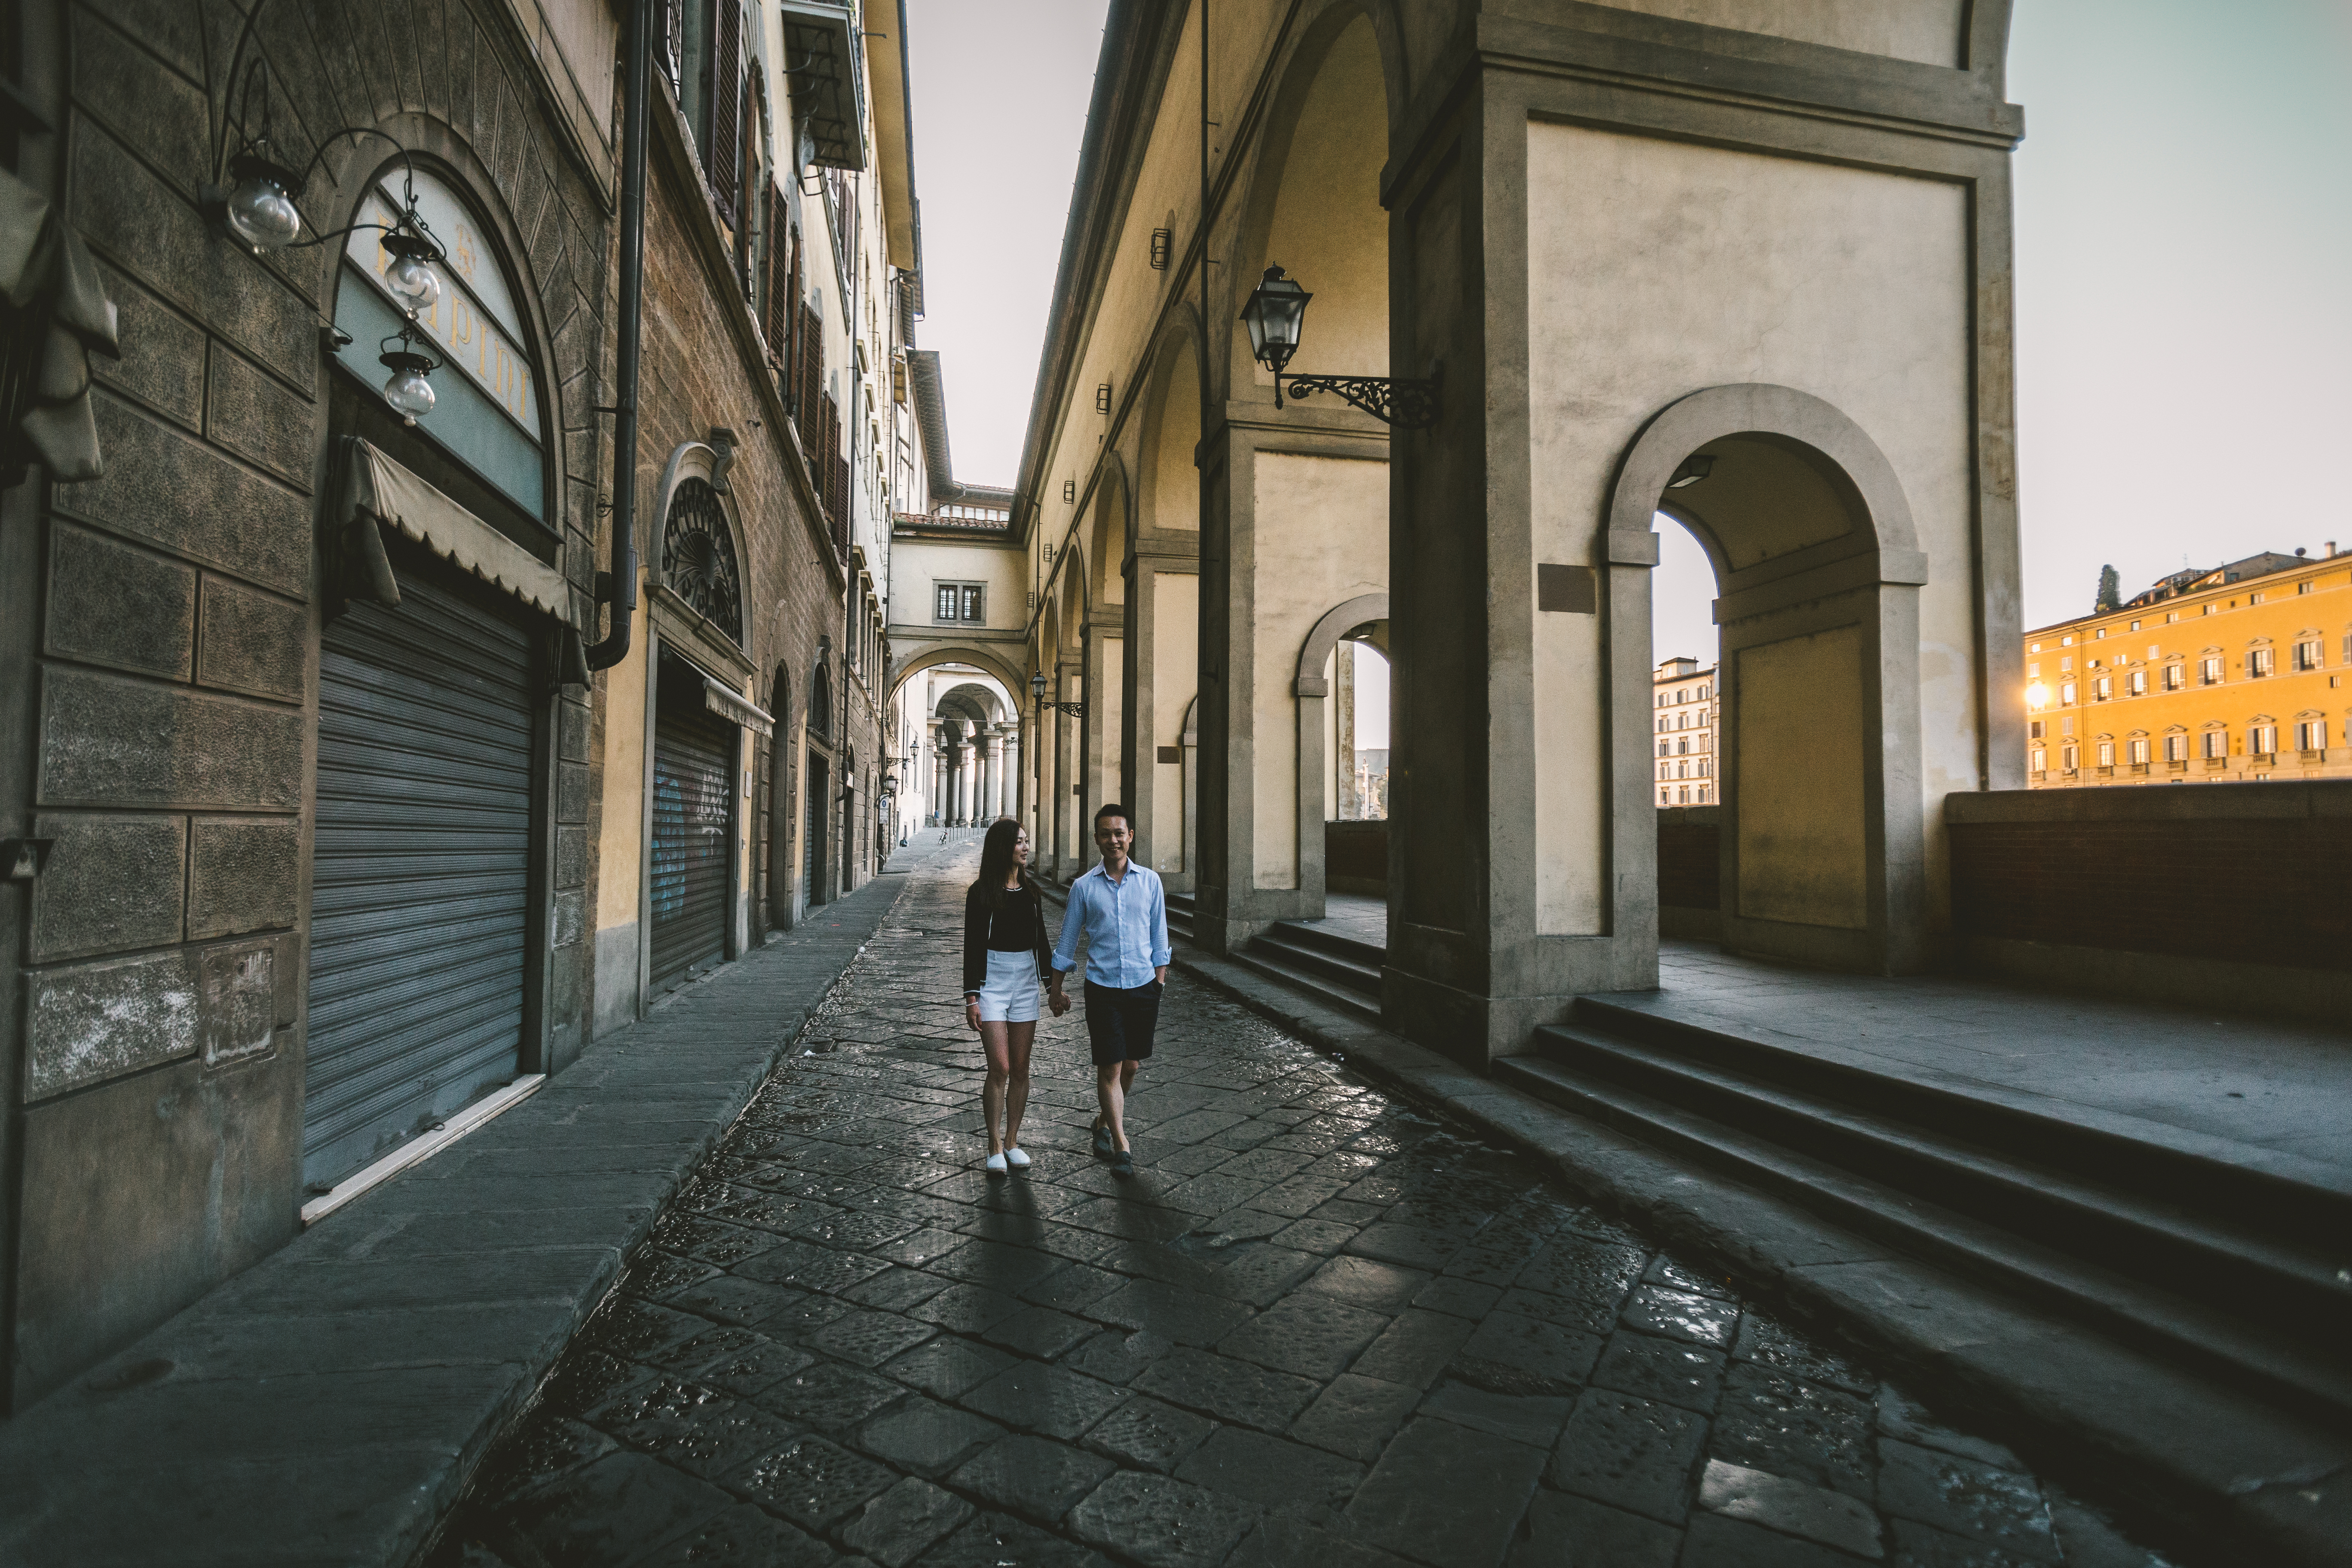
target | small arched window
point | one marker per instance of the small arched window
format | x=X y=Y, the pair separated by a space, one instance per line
x=699 y=556
x=486 y=412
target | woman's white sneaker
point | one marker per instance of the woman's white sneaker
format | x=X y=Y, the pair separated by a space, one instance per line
x=1016 y=1159
x=996 y=1165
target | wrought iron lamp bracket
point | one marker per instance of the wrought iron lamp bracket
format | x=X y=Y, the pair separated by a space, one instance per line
x=1073 y=709
x=1407 y=404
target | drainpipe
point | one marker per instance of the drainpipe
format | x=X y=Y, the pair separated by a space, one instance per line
x=637 y=88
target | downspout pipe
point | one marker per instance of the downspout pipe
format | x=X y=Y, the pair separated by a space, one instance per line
x=637 y=88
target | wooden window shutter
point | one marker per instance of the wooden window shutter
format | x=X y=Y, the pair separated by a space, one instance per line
x=778 y=283
x=726 y=151
x=812 y=373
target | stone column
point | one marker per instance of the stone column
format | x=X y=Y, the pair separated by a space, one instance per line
x=967 y=779
x=1074 y=850
x=940 y=751
x=1013 y=769
x=993 y=801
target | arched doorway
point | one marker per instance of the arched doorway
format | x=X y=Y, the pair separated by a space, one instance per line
x=1817 y=573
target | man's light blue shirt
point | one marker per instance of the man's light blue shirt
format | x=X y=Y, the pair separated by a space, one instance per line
x=1125 y=927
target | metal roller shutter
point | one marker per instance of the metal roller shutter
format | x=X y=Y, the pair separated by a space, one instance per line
x=694 y=760
x=421 y=872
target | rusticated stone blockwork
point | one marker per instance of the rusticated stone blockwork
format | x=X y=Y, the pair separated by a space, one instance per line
x=2243 y=873
x=170 y=648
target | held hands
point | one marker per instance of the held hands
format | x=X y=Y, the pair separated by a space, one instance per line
x=1057 y=999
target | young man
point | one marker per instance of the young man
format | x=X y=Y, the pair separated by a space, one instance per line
x=1123 y=911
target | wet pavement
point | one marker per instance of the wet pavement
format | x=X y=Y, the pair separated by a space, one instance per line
x=1315 y=1328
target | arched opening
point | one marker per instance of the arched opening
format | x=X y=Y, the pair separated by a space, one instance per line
x=1303 y=509
x=1804 y=731
x=817 y=795
x=779 y=814
x=1164 y=614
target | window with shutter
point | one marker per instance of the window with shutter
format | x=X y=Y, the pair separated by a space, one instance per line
x=724 y=150
x=971 y=603
x=670 y=51
x=774 y=319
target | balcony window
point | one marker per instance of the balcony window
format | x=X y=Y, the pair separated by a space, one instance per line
x=2208 y=672
x=2038 y=760
x=2173 y=677
x=2217 y=745
x=2308 y=655
x=2259 y=661
x=2139 y=753
x=2102 y=688
x=2066 y=695
x=2175 y=748
x=2070 y=757
x=2262 y=740
x=2311 y=736
x=2136 y=683
x=2106 y=753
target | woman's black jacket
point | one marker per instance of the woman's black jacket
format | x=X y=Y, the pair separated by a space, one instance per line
x=981 y=924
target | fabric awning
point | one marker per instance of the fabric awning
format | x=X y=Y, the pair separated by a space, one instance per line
x=59 y=313
x=719 y=700
x=376 y=487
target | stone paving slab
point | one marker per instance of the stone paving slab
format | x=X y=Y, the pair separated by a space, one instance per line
x=1462 y=1363
x=327 y=1405
x=2218 y=1473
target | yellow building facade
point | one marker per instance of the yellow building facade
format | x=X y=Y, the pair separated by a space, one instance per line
x=1685 y=697
x=2234 y=674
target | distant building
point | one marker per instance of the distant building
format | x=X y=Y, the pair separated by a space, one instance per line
x=2233 y=672
x=1687 y=706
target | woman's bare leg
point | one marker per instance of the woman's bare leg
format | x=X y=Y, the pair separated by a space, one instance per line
x=1016 y=1088
x=994 y=1040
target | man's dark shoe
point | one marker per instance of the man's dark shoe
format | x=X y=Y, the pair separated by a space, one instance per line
x=1122 y=1163
x=1104 y=1147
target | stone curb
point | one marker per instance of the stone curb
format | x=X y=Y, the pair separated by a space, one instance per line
x=2215 y=1474
x=328 y=1404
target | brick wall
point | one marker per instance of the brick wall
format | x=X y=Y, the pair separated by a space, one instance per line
x=2248 y=873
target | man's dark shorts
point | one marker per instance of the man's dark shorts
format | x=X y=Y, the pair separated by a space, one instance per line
x=1119 y=1022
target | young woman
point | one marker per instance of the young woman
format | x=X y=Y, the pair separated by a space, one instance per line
x=1005 y=957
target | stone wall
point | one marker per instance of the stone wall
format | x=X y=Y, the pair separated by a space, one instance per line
x=2237 y=896
x=160 y=1056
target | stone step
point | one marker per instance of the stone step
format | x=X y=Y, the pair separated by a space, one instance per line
x=1962 y=1207
x=1280 y=965
x=2245 y=1187
x=1333 y=961
x=1323 y=940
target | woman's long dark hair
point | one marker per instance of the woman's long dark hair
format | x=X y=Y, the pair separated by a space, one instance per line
x=996 y=862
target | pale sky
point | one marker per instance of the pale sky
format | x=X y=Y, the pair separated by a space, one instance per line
x=2184 y=230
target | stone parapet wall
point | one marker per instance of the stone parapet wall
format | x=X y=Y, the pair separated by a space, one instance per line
x=2252 y=873
x=2236 y=897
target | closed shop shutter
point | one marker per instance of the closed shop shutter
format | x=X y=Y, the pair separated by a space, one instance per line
x=694 y=761
x=420 y=897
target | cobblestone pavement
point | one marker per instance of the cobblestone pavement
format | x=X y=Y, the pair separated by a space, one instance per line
x=1317 y=1328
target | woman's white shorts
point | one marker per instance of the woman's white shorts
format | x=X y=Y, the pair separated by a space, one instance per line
x=1011 y=994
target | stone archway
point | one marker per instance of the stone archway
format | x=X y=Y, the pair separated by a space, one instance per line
x=1817 y=570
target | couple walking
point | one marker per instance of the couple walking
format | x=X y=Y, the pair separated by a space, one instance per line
x=1122 y=910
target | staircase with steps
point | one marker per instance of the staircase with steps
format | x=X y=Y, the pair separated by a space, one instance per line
x=2197 y=1248
x=1338 y=971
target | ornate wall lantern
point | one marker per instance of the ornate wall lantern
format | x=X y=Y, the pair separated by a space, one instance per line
x=1037 y=689
x=256 y=206
x=1276 y=318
